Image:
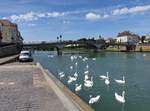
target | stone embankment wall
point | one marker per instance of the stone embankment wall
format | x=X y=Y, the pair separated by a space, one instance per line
x=143 y=48
x=8 y=50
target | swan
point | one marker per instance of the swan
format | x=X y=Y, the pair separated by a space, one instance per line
x=120 y=98
x=88 y=83
x=94 y=99
x=75 y=74
x=144 y=55
x=84 y=59
x=78 y=87
x=76 y=63
x=61 y=74
x=93 y=59
x=87 y=66
x=86 y=77
x=107 y=82
x=80 y=57
x=71 y=79
x=71 y=67
x=75 y=57
x=72 y=58
x=51 y=56
x=104 y=77
x=121 y=81
x=86 y=72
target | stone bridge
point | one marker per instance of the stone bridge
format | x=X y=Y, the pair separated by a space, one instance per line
x=60 y=45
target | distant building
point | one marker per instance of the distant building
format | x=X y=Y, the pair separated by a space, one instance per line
x=127 y=37
x=147 y=38
x=9 y=32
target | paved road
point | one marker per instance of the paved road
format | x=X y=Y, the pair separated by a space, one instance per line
x=24 y=88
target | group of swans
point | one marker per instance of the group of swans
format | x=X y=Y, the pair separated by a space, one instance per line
x=106 y=78
x=88 y=82
x=119 y=98
x=61 y=74
x=107 y=82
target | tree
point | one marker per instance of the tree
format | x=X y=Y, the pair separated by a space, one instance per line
x=57 y=39
x=100 y=36
x=60 y=38
x=143 y=38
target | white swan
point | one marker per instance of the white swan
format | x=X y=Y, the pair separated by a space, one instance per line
x=86 y=77
x=107 y=82
x=71 y=67
x=84 y=59
x=86 y=72
x=87 y=66
x=71 y=79
x=61 y=74
x=120 y=98
x=76 y=63
x=121 y=81
x=78 y=87
x=93 y=59
x=94 y=99
x=80 y=57
x=75 y=74
x=72 y=58
x=51 y=56
x=104 y=77
x=88 y=83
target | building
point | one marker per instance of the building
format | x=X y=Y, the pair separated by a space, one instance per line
x=147 y=38
x=127 y=37
x=9 y=33
x=11 y=41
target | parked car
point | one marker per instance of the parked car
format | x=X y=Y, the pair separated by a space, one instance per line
x=25 y=56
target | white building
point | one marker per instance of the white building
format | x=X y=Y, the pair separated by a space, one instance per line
x=127 y=37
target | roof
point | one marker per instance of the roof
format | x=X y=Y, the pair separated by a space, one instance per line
x=25 y=51
x=127 y=33
x=7 y=23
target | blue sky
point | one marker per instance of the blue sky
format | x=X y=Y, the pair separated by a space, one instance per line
x=40 y=20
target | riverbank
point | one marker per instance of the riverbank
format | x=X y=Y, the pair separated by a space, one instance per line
x=30 y=87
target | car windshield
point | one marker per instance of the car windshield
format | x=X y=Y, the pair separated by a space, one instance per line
x=26 y=54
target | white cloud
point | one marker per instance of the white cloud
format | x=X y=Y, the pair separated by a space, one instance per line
x=136 y=9
x=55 y=14
x=31 y=24
x=92 y=16
x=122 y=11
x=66 y=22
x=31 y=16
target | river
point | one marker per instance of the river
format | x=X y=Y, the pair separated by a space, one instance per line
x=134 y=66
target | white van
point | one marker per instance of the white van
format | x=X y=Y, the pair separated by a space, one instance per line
x=25 y=56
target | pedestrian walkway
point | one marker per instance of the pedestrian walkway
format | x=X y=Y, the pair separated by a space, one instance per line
x=23 y=88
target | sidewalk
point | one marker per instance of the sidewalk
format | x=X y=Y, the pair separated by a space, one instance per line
x=24 y=88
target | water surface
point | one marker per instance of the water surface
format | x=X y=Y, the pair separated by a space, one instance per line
x=134 y=66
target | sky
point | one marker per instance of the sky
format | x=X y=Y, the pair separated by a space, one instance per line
x=44 y=20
